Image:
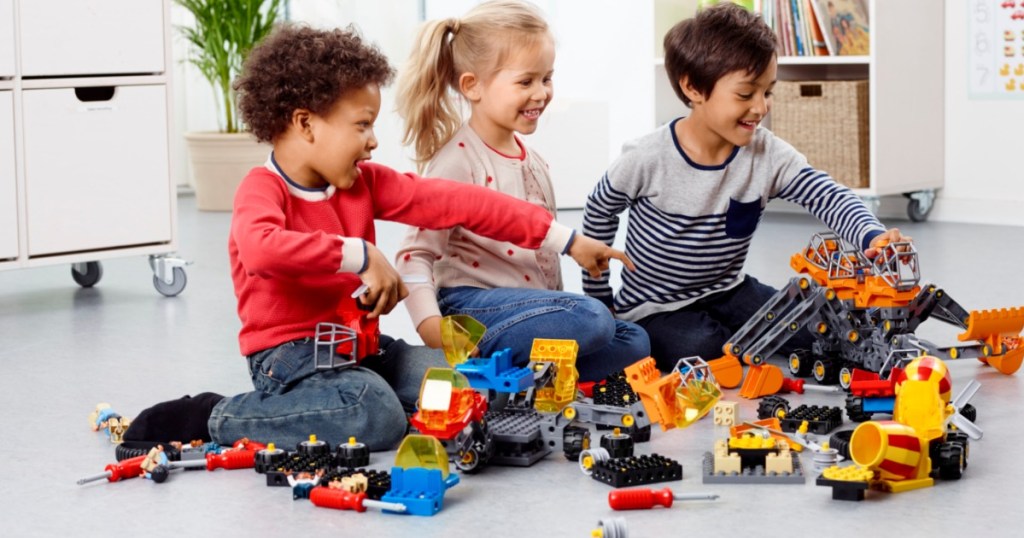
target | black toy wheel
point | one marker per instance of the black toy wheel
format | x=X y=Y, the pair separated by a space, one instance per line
x=575 y=440
x=960 y=438
x=845 y=376
x=773 y=407
x=840 y=441
x=93 y=273
x=952 y=461
x=825 y=371
x=969 y=412
x=800 y=363
x=177 y=285
x=469 y=461
x=855 y=409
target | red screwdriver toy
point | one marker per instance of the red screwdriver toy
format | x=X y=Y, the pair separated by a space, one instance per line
x=345 y=500
x=644 y=498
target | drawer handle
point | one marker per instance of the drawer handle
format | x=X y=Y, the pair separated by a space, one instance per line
x=94 y=93
x=810 y=90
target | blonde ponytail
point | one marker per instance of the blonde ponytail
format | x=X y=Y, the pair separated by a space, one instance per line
x=443 y=50
x=424 y=98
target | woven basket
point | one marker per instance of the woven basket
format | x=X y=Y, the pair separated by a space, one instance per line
x=827 y=121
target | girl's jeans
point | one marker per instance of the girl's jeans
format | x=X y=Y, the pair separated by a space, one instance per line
x=515 y=316
x=293 y=400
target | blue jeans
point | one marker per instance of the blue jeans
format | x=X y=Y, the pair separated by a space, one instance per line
x=293 y=400
x=703 y=327
x=514 y=317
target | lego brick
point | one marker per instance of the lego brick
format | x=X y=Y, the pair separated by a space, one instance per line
x=755 y=475
x=726 y=413
x=637 y=471
x=517 y=438
x=820 y=419
x=514 y=427
x=844 y=490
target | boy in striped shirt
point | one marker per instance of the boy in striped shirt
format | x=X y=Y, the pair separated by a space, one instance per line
x=696 y=189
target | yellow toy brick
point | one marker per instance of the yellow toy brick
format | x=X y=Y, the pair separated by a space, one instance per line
x=562 y=353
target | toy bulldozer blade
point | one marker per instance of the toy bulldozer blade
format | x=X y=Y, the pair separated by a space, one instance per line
x=1000 y=331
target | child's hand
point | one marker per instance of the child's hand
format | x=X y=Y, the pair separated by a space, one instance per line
x=594 y=255
x=385 y=286
x=430 y=331
x=891 y=235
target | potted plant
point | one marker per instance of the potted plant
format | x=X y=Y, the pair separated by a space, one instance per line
x=221 y=37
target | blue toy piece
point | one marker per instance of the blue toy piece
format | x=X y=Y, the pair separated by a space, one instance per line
x=421 y=490
x=497 y=373
x=879 y=405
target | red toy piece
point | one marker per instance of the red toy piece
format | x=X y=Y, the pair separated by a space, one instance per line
x=340 y=499
x=644 y=498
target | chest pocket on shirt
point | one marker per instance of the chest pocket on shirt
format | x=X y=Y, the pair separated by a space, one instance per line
x=741 y=218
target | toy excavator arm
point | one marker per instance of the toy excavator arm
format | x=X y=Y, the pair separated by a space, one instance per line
x=789 y=310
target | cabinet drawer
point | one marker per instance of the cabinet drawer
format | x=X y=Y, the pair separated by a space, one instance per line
x=8 y=187
x=91 y=37
x=6 y=38
x=96 y=168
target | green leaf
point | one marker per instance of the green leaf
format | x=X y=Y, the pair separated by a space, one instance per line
x=219 y=40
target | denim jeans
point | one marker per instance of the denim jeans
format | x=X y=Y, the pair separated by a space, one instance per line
x=293 y=400
x=703 y=328
x=514 y=317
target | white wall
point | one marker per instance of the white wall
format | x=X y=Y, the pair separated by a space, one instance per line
x=984 y=142
x=604 y=62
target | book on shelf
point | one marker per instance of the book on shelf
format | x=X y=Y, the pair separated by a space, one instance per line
x=844 y=24
x=817 y=27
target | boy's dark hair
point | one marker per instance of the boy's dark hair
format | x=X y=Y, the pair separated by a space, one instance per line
x=300 y=67
x=719 y=40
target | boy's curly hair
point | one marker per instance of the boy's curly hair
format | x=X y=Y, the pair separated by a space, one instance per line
x=301 y=67
x=719 y=40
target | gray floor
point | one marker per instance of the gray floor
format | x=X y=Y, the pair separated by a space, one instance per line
x=66 y=348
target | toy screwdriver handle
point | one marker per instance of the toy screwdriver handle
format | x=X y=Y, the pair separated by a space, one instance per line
x=128 y=468
x=639 y=499
x=338 y=499
x=232 y=459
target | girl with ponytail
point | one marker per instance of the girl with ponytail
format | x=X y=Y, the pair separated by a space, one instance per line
x=497 y=61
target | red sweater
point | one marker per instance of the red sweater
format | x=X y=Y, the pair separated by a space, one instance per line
x=288 y=245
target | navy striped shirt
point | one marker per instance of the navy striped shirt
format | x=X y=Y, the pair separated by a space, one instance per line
x=689 y=226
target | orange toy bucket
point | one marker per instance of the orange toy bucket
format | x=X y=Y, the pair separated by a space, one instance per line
x=891 y=448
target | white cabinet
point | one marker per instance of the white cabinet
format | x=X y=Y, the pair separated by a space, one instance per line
x=84 y=147
x=8 y=190
x=6 y=38
x=91 y=37
x=905 y=71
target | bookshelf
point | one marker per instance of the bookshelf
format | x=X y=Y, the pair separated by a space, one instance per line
x=905 y=69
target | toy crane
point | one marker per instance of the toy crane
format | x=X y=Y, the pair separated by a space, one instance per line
x=859 y=311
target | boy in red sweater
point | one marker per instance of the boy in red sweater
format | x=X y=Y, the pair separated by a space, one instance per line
x=302 y=240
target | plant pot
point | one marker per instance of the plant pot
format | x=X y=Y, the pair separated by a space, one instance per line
x=219 y=163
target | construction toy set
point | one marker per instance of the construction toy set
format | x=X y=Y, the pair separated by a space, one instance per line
x=862 y=313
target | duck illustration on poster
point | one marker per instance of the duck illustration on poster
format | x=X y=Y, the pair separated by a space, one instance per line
x=996 y=49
